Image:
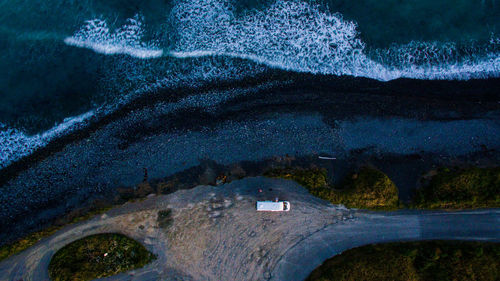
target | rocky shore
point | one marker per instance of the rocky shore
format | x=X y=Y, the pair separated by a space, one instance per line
x=404 y=127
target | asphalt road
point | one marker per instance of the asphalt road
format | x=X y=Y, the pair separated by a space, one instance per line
x=301 y=259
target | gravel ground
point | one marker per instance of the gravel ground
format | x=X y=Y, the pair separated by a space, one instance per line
x=216 y=234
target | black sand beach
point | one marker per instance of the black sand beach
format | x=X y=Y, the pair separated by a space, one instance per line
x=251 y=123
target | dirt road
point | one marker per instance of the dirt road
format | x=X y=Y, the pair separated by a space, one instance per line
x=216 y=234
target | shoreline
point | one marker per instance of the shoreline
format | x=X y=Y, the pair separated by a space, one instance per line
x=436 y=91
x=298 y=119
x=214 y=174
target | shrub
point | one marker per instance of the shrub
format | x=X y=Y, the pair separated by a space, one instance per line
x=429 y=260
x=460 y=188
x=367 y=189
x=311 y=179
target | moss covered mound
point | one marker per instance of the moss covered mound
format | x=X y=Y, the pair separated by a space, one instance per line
x=460 y=189
x=367 y=189
x=98 y=256
x=412 y=261
x=312 y=179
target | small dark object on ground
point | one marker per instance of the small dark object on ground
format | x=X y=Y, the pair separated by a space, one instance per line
x=145 y=175
x=165 y=218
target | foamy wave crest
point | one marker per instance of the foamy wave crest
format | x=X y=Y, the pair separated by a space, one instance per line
x=299 y=36
x=96 y=35
x=436 y=60
x=291 y=35
x=14 y=144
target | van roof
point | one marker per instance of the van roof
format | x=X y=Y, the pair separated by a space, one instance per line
x=270 y=205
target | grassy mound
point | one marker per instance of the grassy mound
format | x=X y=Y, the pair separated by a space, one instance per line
x=460 y=189
x=367 y=189
x=312 y=179
x=98 y=256
x=414 y=261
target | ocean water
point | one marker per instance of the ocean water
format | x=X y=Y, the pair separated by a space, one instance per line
x=64 y=64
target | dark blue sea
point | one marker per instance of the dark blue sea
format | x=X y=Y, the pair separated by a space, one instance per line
x=94 y=92
x=63 y=62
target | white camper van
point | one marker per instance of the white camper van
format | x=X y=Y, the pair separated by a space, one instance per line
x=271 y=206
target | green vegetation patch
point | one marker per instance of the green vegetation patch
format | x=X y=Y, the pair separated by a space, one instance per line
x=312 y=179
x=24 y=243
x=460 y=189
x=414 y=261
x=98 y=256
x=367 y=189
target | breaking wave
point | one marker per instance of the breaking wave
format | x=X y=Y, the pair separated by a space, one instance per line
x=210 y=41
x=290 y=35
x=16 y=144
x=96 y=35
x=298 y=36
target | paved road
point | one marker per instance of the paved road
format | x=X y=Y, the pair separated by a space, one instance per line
x=219 y=236
x=298 y=262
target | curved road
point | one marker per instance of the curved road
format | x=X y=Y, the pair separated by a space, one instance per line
x=301 y=259
x=219 y=236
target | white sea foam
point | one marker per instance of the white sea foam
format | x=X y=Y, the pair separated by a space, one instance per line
x=295 y=35
x=291 y=35
x=15 y=144
x=96 y=35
